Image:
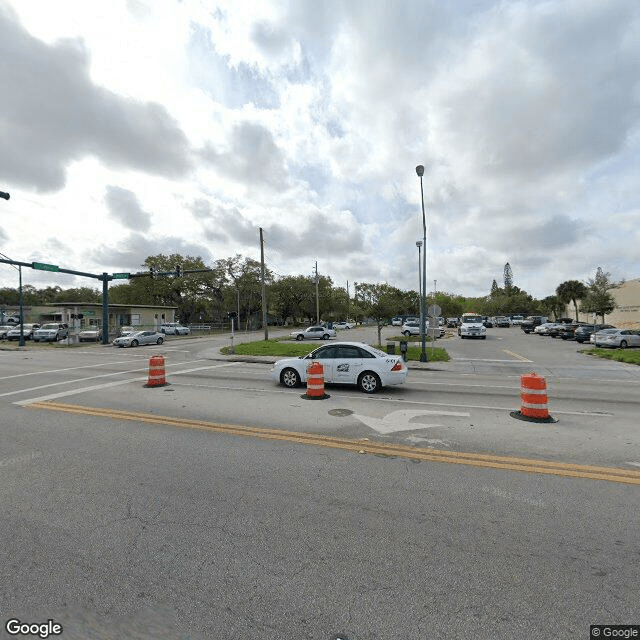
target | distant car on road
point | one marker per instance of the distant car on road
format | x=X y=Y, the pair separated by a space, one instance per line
x=51 y=332
x=138 y=338
x=344 y=363
x=343 y=325
x=316 y=332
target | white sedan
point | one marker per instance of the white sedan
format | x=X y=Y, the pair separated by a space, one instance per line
x=139 y=337
x=617 y=338
x=344 y=363
x=343 y=325
x=316 y=332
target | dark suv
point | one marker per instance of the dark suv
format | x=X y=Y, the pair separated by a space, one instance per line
x=583 y=333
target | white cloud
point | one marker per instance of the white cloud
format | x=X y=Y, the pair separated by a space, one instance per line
x=152 y=127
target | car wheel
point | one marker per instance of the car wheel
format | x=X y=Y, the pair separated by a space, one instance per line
x=299 y=337
x=369 y=382
x=290 y=378
x=326 y=336
x=134 y=343
x=623 y=344
x=407 y=333
x=159 y=341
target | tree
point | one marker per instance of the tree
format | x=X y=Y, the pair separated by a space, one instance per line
x=508 y=278
x=598 y=299
x=553 y=306
x=571 y=291
x=380 y=302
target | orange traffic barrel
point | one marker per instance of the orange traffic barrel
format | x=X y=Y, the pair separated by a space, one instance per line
x=533 y=399
x=315 y=382
x=156 y=372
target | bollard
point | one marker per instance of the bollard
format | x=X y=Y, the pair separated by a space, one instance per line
x=156 y=372
x=533 y=400
x=315 y=382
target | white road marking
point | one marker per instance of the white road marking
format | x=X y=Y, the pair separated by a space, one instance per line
x=72 y=392
x=401 y=420
x=65 y=382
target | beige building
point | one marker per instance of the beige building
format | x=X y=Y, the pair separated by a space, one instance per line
x=627 y=311
x=82 y=315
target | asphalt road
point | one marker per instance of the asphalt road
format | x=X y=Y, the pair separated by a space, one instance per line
x=136 y=513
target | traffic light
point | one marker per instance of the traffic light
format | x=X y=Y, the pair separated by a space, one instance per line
x=178 y=270
x=154 y=272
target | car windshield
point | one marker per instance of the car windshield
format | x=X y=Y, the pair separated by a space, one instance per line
x=49 y=326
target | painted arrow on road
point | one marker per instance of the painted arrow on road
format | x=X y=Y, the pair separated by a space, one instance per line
x=401 y=420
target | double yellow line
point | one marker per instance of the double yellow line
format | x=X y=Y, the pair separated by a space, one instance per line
x=611 y=474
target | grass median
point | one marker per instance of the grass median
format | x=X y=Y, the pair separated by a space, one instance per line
x=619 y=355
x=281 y=349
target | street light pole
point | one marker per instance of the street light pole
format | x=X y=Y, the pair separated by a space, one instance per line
x=419 y=245
x=423 y=302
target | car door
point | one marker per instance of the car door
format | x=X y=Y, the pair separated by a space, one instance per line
x=348 y=364
x=315 y=332
x=326 y=357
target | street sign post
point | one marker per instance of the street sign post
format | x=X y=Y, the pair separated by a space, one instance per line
x=45 y=267
x=121 y=276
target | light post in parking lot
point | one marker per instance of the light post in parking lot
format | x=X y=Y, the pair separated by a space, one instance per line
x=423 y=302
x=419 y=245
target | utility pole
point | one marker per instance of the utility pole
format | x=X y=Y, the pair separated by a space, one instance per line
x=264 y=293
x=317 y=297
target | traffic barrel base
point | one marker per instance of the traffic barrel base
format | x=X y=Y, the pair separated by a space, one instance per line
x=156 y=372
x=533 y=400
x=315 y=382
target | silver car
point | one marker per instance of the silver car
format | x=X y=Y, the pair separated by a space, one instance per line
x=51 y=332
x=316 y=332
x=619 y=338
x=138 y=338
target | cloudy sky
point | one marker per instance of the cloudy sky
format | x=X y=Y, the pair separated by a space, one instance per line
x=136 y=127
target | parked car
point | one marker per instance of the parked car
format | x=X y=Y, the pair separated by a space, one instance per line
x=569 y=330
x=4 y=329
x=531 y=322
x=343 y=325
x=28 y=329
x=502 y=321
x=314 y=333
x=410 y=329
x=487 y=322
x=51 y=332
x=517 y=320
x=139 y=337
x=556 y=330
x=618 y=338
x=174 y=328
x=126 y=330
x=583 y=333
x=92 y=334
x=396 y=321
x=344 y=363
x=543 y=329
x=601 y=334
x=452 y=322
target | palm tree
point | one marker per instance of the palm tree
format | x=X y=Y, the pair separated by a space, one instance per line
x=572 y=291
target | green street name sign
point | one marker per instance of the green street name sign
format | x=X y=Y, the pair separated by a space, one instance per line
x=45 y=267
x=121 y=276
